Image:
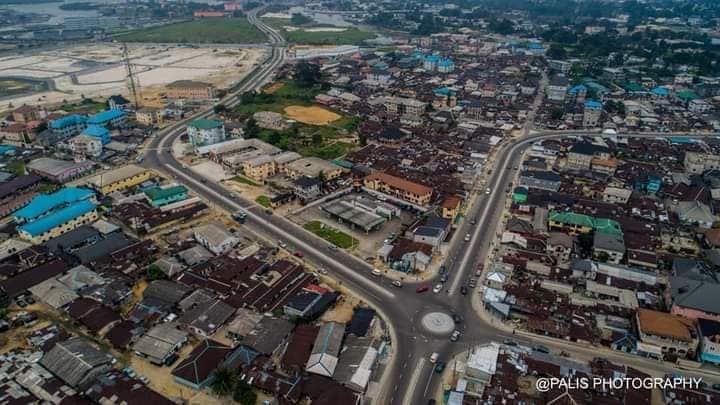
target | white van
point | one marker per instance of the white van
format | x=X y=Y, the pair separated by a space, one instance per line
x=376 y=272
x=434 y=357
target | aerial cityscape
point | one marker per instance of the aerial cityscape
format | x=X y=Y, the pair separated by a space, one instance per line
x=470 y=202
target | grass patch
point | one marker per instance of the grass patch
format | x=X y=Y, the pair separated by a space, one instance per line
x=263 y=200
x=209 y=30
x=330 y=151
x=288 y=94
x=351 y=36
x=16 y=167
x=244 y=180
x=12 y=87
x=330 y=234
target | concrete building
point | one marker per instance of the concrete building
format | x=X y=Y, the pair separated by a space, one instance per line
x=405 y=106
x=214 y=238
x=326 y=350
x=616 y=195
x=259 y=168
x=661 y=333
x=59 y=171
x=99 y=132
x=608 y=248
x=698 y=163
x=709 y=350
x=592 y=113
x=312 y=167
x=68 y=125
x=203 y=132
x=51 y=215
x=557 y=88
x=189 y=89
x=160 y=343
x=110 y=118
x=149 y=116
x=399 y=188
x=86 y=145
x=119 y=179
x=161 y=196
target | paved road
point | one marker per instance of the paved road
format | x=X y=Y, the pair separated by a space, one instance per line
x=409 y=378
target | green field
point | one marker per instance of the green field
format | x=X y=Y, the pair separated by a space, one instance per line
x=264 y=201
x=244 y=180
x=209 y=30
x=332 y=235
x=351 y=36
x=12 y=87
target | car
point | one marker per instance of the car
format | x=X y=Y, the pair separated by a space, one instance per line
x=455 y=336
x=434 y=357
x=541 y=349
x=29 y=299
x=376 y=272
x=716 y=387
x=440 y=367
x=509 y=342
x=467 y=237
x=457 y=318
x=437 y=288
x=463 y=290
x=479 y=270
x=487 y=190
x=268 y=211
x=397 y=283
x=422 y=288
x=431 y=402
x=332 y=247
x=443 y=269
x=282 y=245
x=444 y=278
x=21 y=303
x=323 y=271
x=298 y=254
x=472 y=282
x=204 y=181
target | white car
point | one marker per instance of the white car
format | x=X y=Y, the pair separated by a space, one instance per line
x=467 y=238
x=438 y=288
x=487 y=190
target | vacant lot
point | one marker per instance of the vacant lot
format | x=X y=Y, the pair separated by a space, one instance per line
x=351 y=36
x=11 y=87
x=330 y=234
x=211 y=30
x=311 y=115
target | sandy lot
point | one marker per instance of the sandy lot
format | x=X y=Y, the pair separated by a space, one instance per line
x=100 y=72
x=311 y=115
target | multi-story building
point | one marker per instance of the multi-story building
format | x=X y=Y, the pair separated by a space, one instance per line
x=698 y=163
x=150 y=116
x=68 y=126
x=59 y=171
x=592 y=113
x=119 y=179
x=18 y=134
x=405 y=106
x=396 y=187
x=313 y=167
x=98 y=132
x=114 y=117
x=26 y=113
x=259 y=168
x=581 y=155
x=202 y=132
x=48 y=216
x=190 y=89
x=86 y=145
x=270 y=120
x=557 y=88
x=660 y=333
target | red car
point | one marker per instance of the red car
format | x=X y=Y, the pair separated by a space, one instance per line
x=298 y=254
x=422 y=288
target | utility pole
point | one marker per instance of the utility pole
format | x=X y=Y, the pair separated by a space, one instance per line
x=133 y=82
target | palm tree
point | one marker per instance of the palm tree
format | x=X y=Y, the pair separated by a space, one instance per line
x=224 y=382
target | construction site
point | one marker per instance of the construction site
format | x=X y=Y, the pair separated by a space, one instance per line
x=101 y=70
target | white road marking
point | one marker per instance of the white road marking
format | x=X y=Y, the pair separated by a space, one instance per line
x=413 y=381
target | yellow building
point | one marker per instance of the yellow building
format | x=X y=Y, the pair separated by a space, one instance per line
x=312 y=167
x=120 y=179
x=397 y=187
x=59 y=222
x=149 y=116
x=450 y=207
x=259 y=168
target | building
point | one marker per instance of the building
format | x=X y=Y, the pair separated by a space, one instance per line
x=592 y=113
x=313 y=167
x=709 y=350
x=161 y=343
x=616 y=195
x=59 y=171
x=405 y=106
x=326 y=349
x=694 y=298
x=270 y=120
x=203 y=132
x=540 y=180
x=197 y=371
x=26 y=113
x=214 y=238
x=557 y=88
x=190 y=89
x=114 y=118
x=560 y=245
x=574 y=224
x=68 y=125
x=450 y=207
x=396 y=187
x=161 y=196
x=608 y=248
x=76 y=362
x=665 y=334
x=118 y=102
x=86 y=145
x=307 y=188
x=99 y=132
x=259 y=167
x=445 y=65
x=18 y=134
x=698 y=163
x=119 y=179
x=581 y=155
x=152 y=117
x=59 y=221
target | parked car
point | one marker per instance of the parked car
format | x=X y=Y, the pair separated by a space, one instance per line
x=376 y=272
x=472 y=282
x=438 y=288
x=541 y=349
x=457 y=318
x=509 y=343
x=282 y=244
x=298 y=254
x=434 y=357
x=463 y=290
x=422 y=288
x=440 y=367
x=467 y=237
x=444 y=278
x=487 y=190
x=455 y=336
x=397 y=283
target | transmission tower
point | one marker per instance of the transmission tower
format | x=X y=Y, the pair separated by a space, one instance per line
x=133 y=81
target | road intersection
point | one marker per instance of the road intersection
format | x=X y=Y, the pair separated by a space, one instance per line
x=409 y=377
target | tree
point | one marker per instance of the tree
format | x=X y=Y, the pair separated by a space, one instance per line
x=556 y=51
x=154 y=273
x=224 y=382
x=252 y=130
x=307 y=74
x=317 y=138
x=244 y=394
x=219 y=108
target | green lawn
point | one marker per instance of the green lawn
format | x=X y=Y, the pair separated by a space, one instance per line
x=208 y=30
x=11 y=87
x=245 y=180
x=263 y=200
x=332 y=235
x=351 y=36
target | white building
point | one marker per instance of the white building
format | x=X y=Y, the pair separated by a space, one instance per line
x=214 y=238
x=202 y=132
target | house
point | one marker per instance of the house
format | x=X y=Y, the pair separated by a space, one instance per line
x=313 y=167
x=160 y=343
x=540 y=180
x=203 y=132
x=149 y=116
x=450 y=207
x=560 y=245
x=108 y=118
x=307 y=188
x=76 y=362
x=85 y=145
x=581 y=155
x=214 y=238
x=694 y=213
x=189 y=89
x=616 y=195
x=709 y=349
x=59 y=171
x=608 y=248
x=694 y=299
x=592 y=113
x=399 y=188
x=205 y=318
x=26 y=113
x=575 y=224
x=120 y=179
x=699 y=163
x=557 y=88
x=118 y=102
x=665 y=334
x=326 y=350
x=161 y=196
x=299 y=348
x=197 y=370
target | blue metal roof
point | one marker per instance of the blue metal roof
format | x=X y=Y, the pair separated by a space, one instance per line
x=98 y=132
x=57 y=218
x=105 y=116
x=577 y=89
x=660 y=91
x=67 y=121
x=47 y=202
x=593 y=104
